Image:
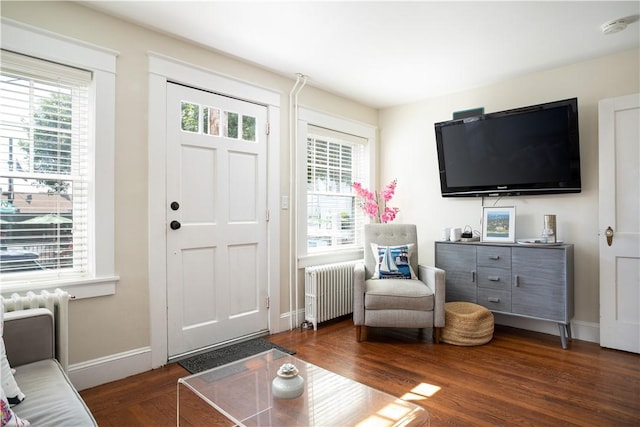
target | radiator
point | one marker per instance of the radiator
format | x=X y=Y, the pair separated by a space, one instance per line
x=58 y=303
x=328 y=291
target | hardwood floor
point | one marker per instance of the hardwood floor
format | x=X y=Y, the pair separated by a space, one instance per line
x=520 y=378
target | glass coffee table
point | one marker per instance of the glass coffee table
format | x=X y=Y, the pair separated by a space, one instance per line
x=241 y=391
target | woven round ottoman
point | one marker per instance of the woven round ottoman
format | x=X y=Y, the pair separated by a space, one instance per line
x=467 y=324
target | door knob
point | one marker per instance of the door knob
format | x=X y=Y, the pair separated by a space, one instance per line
x=175 y=206
x=609 y=233
x=175 y=225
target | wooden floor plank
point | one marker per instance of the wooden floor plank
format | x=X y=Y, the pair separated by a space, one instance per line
x=520 y=378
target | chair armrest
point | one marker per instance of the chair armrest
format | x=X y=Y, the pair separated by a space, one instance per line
x=358 y=293
x=434 y=278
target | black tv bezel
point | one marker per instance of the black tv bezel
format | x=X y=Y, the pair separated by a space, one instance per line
x=574 y=185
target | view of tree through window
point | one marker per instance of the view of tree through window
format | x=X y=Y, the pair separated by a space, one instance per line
x=43 y=168
x=51 y=141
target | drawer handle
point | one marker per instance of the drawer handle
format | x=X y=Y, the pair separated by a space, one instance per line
x=495 y=257
x=493 y=299
x=494 y=278
x=517 y=281
x=473 y=276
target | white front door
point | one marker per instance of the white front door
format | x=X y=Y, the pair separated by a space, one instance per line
x=217 y=288
x=619 y=169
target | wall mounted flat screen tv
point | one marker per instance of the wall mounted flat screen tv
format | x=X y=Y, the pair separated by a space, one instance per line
x=528 y=150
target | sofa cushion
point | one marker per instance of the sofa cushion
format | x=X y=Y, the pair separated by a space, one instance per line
x=398 y=294
x=392 y=262
x=51 y=398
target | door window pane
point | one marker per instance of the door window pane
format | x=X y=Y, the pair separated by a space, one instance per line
x=230 y=124
x=248 y=128
x=214 y=121
x=190 y=117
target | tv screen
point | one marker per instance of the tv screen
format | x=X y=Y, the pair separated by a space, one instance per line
x=528 y=150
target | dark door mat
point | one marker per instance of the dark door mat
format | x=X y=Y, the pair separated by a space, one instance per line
x=224 y=355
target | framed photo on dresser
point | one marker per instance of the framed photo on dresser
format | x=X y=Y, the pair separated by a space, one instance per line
x=499 y=224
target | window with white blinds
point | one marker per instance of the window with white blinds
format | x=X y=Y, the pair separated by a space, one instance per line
x=44 y=168
x=334 y=161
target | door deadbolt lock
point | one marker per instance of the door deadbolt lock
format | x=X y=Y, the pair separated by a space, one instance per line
x=609 y=233
x=175 y=206
x=175 y=225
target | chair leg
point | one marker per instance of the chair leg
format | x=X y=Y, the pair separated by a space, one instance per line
x=361 y=332
x=436 y=335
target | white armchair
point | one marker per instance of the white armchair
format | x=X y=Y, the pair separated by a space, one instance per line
x=394 y=302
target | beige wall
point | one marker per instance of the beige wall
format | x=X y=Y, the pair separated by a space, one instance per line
x=408 y=153
x=104 y=326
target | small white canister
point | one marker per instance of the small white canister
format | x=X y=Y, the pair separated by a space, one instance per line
x=287 y=384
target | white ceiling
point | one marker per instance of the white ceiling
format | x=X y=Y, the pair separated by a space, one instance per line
x=387 y=53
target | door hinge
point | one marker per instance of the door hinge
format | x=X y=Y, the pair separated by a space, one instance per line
x=267 y=216
x=267 y=301
x=268 y=128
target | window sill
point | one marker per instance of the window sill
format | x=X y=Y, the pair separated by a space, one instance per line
x=77 y=288
x=330 y=257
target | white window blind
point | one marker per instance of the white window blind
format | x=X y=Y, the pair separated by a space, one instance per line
x=334 y=161
x=44 y=168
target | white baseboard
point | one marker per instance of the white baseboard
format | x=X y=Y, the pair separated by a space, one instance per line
x=100 y=371
x=122 y=365
x=287 y=322
x=111 y=368
x=584 y=331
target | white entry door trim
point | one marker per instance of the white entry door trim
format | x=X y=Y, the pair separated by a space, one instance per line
x=161 y=70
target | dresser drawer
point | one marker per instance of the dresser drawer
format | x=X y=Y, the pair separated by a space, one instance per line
x=494 y=256
x=494 y=278
x=495 y=299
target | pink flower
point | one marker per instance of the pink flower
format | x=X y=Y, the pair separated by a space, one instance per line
x=371 y=208
x=389 y=191
x=374 y=204
x=389 y=214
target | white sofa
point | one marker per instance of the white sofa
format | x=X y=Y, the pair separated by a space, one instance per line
x=51 y=399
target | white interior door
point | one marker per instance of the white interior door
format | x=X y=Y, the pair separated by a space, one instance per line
x=619 y=169
x=216 y=214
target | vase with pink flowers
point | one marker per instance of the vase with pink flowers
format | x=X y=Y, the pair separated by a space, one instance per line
x=374 y=203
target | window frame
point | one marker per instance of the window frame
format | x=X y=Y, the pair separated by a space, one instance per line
x=306 y=117
x=27 y=40
x=33 y=86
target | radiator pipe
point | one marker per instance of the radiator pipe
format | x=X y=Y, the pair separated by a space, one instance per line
x=301 y=81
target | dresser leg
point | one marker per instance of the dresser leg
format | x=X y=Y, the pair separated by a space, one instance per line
x=563 y=336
